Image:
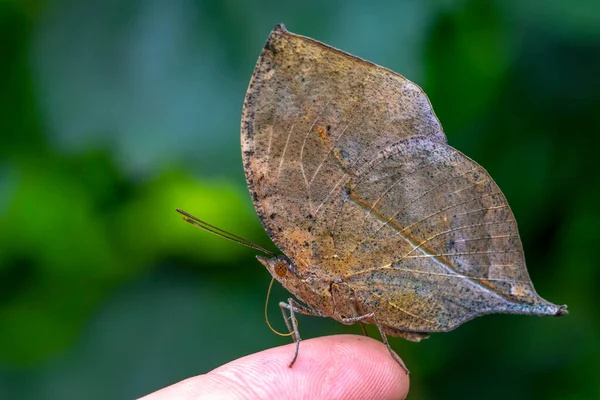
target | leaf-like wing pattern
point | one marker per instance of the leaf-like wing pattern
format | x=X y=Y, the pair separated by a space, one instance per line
x=352 y=178
x=439 y=244
x=313 y=113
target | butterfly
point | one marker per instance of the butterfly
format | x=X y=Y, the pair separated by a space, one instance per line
x=379 y=220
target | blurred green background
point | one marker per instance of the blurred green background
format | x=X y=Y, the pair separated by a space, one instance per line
x=114 y=113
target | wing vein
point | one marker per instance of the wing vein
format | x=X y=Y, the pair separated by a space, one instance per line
x=284 y=150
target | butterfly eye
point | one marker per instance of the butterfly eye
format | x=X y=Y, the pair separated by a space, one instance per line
x=280 y=268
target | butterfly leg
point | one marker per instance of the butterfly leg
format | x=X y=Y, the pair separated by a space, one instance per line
x=292 y=324
x=383 y=335
x=363 y=329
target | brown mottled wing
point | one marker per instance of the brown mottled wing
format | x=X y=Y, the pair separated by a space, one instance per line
x=349 y=170
x=439 y=244
x=311 y=114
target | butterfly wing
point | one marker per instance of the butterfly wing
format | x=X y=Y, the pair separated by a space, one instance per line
x=350 y=172
x=309 y=111
x=438 y=242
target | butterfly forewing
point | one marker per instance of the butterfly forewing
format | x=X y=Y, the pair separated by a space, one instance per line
x=311 y=110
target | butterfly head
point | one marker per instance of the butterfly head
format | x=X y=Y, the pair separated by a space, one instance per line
x=280 y=267
x=302 y=283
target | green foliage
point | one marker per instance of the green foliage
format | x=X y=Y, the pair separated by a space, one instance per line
x=115 y=113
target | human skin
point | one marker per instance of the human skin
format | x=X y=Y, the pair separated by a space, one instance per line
x=330 y=367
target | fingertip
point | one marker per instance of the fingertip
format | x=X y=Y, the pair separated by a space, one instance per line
x=353 y=367
x=331 y=367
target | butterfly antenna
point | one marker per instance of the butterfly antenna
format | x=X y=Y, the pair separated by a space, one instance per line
x=205 y=226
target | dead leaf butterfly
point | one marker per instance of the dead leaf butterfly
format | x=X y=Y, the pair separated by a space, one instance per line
x=379 y=220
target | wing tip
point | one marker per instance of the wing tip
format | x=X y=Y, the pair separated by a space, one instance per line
x=562 y=310
x=280 y=28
